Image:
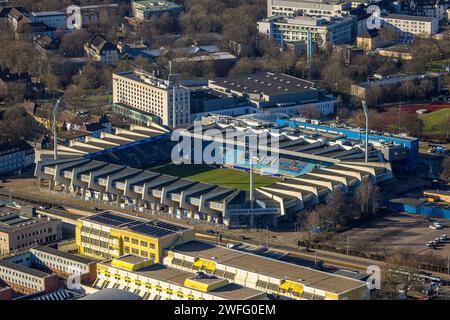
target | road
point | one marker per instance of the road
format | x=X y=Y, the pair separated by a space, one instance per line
x=333 y=259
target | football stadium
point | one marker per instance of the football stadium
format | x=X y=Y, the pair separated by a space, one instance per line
x=250 y=184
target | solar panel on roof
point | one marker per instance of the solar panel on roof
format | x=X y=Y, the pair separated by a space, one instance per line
x=110 y=219
x=151 y=230
x=168 y=226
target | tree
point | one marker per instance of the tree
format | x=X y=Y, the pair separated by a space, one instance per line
x=72 y=43
x=445 y=174
x=73 y=96
x=367 y=198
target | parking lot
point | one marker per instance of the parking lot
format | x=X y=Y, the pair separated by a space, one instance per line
x=395 y=233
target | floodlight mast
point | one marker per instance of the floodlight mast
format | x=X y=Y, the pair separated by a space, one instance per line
x=366 y=114
x=55 y=130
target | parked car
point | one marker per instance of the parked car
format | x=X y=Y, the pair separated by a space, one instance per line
x=443 y=237
x=210 y=231
x=431 y=244
x=436 y=226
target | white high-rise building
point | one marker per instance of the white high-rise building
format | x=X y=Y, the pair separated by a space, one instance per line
x=145 y=92
x=290 y=8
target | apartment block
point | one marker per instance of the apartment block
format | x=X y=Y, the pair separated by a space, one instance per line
x=408 y=27
x=324 y=30
x=146 y=9
x=291 y=8
x=15 y=156
x=154 y=96
x=54 y=19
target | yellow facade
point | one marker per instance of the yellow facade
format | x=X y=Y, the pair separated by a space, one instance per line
x=443 y=196
x=203 y=286
x=122 y=242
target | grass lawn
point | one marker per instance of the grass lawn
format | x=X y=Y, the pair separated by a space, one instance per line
x=96 y=101
x=220 y=176
x=433 y=121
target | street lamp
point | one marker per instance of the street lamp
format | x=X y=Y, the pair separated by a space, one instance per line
x=251 y=158
x=366 y=114
x=55 y=130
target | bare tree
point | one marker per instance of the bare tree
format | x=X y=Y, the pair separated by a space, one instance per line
x=367 y=198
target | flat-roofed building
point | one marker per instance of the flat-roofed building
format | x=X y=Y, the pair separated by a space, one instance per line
x=276 y=92
x=19 y=232
x=15 y=155
x=324 y=30
x=407 y=28
x=156 y=281
x=264 y=274
x=64 y=264
x=289 y=8
x=54 y=19
x=112 y=234
x=146 y=9
x=26 y=280
x=151 y=94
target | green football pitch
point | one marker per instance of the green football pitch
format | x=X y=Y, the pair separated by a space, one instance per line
x=220 y=176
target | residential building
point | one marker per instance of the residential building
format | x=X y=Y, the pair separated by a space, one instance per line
x=156 y=281
x=45 y=44
x=398 y=51
x=101 y=50
x=146 y=9
x=29 y=30
x=15 y=156
x=20 y=230
x=363 y=90
x=152 y=96
x=291 y=8
x=112 y=234
x=324 y=30
x=27 y=280
x=17 y=15
x=347 y=52
x=430 y=8
x=54 y=19
x=407 y=28
x=371 y=40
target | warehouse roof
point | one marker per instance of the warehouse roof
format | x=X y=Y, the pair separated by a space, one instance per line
x=264 y=83
x=23 y=269
x=269 y=267
x=163 y=273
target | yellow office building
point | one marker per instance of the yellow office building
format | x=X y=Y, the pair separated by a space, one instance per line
x=112 y=234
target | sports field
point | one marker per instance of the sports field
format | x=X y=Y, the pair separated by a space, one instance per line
x=434 y=121
x=220 y=176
